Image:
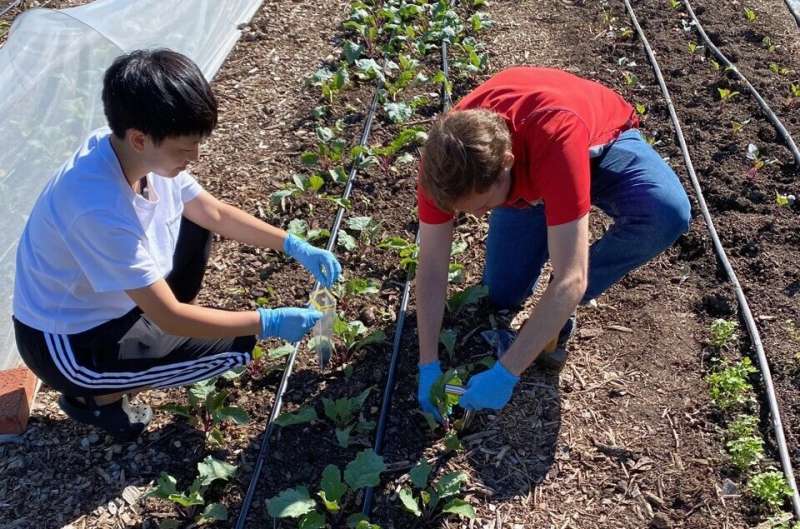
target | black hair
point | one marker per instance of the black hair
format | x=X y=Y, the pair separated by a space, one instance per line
x=159 y=92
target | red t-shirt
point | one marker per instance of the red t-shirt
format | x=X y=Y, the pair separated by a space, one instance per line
x=557 y=120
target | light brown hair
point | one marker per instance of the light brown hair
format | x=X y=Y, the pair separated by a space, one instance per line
x=463 y=154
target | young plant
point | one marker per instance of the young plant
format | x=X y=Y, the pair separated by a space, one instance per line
x=692 y=47
x=738 y=126
x=630 y=78
x=299 y=228
x=355 y=335
x=466 y=297
x=444 y=401
x=770 y=488
x=190 y=500
x=344 y=414
x=407 y=74
x=448 y=339
x=207 y=410
x=723 y=332
x=359 y=286
x=405 y=138
x=295 y=188
x=778 y=69
x=794 y=89
x=369 y=230
x=745 y=446
x=480 y=21
x=675 y=4
x=641 y=109
x=784 y=201
x=328 y=154
x=726 y=94
x=471 y=59
x=329 y=82
x=428 y=501
x=408 y=252
x=334 y=498
x=750 y=15
x=729 y=386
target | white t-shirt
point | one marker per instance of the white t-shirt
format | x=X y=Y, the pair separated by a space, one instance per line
x=90 y=237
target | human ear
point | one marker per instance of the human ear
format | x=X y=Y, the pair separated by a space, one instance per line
x=137 y=139
x=508 y=160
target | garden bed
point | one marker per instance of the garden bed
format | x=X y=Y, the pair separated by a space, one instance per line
x=627 y=436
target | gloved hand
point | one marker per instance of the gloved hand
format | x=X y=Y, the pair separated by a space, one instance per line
x=321 y=263
x=428 y=375
x=289 y=323
x=491 y=389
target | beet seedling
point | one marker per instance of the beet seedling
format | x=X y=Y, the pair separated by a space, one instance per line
x=766 y=42
x=432 y=500
x=209 y=471
x=335 y=495
x=408 y=251
x=460 y=300
x=369 y=230
x=770 y=488
x=360 y=287
x=750 y=15
x=675 y=4
x=630 y=78
x=207 y=410
x=778 y=69
x=448 y=339
x=355 y=335
x=794 y=89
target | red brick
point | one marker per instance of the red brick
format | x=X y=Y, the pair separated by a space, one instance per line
x=17 y=387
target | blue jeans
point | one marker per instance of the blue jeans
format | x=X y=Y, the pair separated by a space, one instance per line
x=633 y=185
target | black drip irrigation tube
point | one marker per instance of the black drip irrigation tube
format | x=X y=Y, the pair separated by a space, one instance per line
x=391 y=377
x=747 y=315
x=761 y=102
x=263 y=452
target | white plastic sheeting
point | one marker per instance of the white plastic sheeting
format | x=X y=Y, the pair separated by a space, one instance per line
x=51 y=70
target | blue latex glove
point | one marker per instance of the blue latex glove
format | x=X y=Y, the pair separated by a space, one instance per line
x=321 y=263
x=491 y=389
x=289 y=323
x=428 y=375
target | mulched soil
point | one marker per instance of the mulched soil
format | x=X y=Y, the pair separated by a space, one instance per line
x=625 y=437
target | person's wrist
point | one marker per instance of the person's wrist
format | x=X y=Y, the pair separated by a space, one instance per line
x=504 y=374
x=292 y=244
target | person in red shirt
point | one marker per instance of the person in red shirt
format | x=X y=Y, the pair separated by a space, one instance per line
x=538 y=147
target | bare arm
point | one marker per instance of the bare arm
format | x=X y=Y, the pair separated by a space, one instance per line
x=568 y=245
x=182 y=319
x=233 y=223
x=431 y=286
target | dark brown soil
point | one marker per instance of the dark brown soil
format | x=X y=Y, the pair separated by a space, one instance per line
x=625 y=437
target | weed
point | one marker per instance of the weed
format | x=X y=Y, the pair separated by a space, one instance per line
x=729 y=386
x=723 y=332
x=770 y=488
x=726 y=94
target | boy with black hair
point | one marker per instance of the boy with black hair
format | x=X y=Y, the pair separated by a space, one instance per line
x=115 y=249
x=538 y=147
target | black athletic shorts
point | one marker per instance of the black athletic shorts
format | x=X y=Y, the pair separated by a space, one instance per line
x=131 y=351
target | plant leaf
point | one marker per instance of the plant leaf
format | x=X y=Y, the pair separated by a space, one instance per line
x=365 y=470
x=211 y=469
x=468 y=296
x=374 y=338
x=298 y=228
x=352 y=51
x=291 y=503
x=233 y=413
x=398 y=112
x=343 y=435
x=459 y=507
x=406 y=496
x=304 y=415
x=347 y=241
x=280 y=351
x=312 y=520
x=420 y=473
x=332 y=484
x=359 y=223
x=450 y=484
x=214 y=512
x=448 y=339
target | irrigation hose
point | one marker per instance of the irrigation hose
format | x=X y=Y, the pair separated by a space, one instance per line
x=10 y=6
x=740 y=297
x=761 y=102
x=391 y=377
x=263 y=452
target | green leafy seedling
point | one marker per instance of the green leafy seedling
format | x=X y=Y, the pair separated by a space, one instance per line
x=723 y=332
x=427 y=501
x=770 y=488
x=729 y=386
x=725 y=94
x=408 y=251
x=745 y=446
x=750 y=15
x=469 y=296
x=344 y=414
x=335 y=495
x=207 y=410
x=209 y=471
